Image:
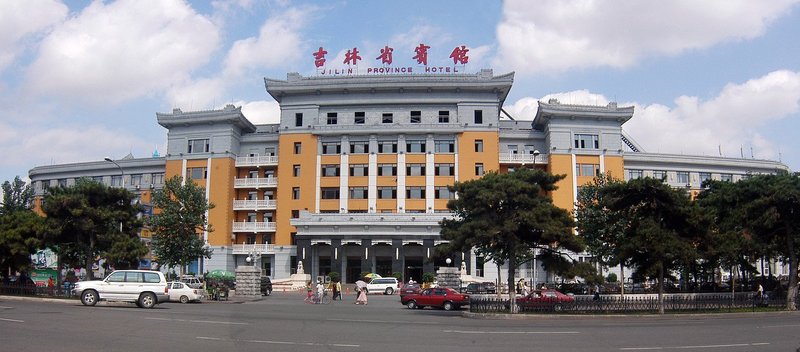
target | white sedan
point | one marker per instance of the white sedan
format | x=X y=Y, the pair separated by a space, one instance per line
x=181 y=292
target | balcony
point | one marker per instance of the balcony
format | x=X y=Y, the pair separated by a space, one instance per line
x=264 y=182
x=254 y=227
x=268 y=248
x=258 y=160
x=256 y=204
x=516 y=158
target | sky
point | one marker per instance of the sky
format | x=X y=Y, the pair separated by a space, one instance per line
x=83 y=80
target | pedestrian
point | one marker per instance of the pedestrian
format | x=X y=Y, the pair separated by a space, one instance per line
x=320 y=292
x=411 y=281
x=596 y=293
x=362 y=297
x=51 y=286
x=520 y=286
x=309 y=293
x=337 y=290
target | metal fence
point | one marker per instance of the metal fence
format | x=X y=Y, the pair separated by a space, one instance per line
x=631 y=303
x=31 y=290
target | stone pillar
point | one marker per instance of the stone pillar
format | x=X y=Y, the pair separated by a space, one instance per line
x=427 y=262
x=398 y=260
x=248 y=281
x=367 y=255
x=336 y=256
x=449 y=277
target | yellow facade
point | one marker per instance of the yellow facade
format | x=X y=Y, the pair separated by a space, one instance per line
x=468 y=158
x=287 y=182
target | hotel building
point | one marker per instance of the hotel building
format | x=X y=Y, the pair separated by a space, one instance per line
x=354 y=176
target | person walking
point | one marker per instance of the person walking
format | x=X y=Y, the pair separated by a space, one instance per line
x=337 y=290
x=320 y=292
x=309 y=293
x=361 y=292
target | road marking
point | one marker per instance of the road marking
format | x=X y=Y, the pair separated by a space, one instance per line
x=4 y=307
x=509 y=332
x=13 y=320
x=198 y=321
x=385 y=321
x=780 y=326
x=273 y=342
x=693 y=347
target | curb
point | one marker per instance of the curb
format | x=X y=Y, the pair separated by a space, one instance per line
x=39 y=299
x=528 y=316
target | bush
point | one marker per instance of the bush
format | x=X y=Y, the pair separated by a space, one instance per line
x=335 y=277
x=428 y=277
x=611 y=277
x=398 y=275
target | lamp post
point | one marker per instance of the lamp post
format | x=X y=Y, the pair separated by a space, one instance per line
x=535 y=154
x=121 y=171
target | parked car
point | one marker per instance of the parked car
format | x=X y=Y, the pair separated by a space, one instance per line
x=144 y=287
x=544 y=300
x=440 y=297
x=266 y=286
x=387 y=285
x=409 y=289
x=192 y=281
x=182 y=292
x=481 y=287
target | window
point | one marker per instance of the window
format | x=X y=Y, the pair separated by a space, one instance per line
x=478 y=117
x=415 y=192
x=387 y=147
x=443 y=192
x=358 y=192
x=295 y=214
x=136 y=180
x=444 y=116
x=330 y=193
x=270 y=151
x=587 y=169
x=444 y=169
x=194 y=173
x=116 y=277
x=298 y=119
x=295 y=192
x=660 y=175
x=98 y=179
x=359 y=147
x=198 y=146
x=387 y=192
x=359 y=170
x=704 y=176
x=332 y=118
x=330 y=170
x=587 y=141
x=387 y=169
x=62 y=182
x=683 y=177
x=157 y=179
x=387 y=118
x=296 y=170
x=512 y=149
x=479 y=145
x=726 y=177
x=635 y=174
x=360 y=118
x=415 y=170
x=416 y=116
x=415 y=146
x=479 y=169
x=331 y=148
x=448 y=146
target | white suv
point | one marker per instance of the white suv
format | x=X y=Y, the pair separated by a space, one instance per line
x=387 y=285
x=144 y=287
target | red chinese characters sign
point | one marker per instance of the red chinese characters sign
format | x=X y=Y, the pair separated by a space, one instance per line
x=385 y=59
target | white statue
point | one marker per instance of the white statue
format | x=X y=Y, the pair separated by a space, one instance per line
x=300 y=267
x=463 y=268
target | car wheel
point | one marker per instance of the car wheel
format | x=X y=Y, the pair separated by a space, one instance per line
x=388 y=291
x=558 y=308
x=448 y=306
x=269 y=292
x=147 y=300
x=184 y=299
x=89 y=297
x=411 y=305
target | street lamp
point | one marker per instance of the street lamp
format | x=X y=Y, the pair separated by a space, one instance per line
x=121 y=171
x=535 y=154
x=448 y=261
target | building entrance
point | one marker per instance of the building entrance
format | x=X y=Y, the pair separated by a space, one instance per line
x=413 y=269
x=383 y=266
x=353 y=269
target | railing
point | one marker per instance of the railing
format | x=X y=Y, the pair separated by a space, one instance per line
x=630 y=303
x=14 y=289
x=267 y=248
x=255 y=182
x=257 y=204
x=258 y=160
x=254 y=227
x=511 y=158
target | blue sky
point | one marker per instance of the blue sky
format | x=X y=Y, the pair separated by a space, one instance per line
x=83 y=80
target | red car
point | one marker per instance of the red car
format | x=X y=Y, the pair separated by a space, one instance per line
x=445 y=298
x=546 y=299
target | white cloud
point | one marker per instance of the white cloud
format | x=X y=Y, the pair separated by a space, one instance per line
x=558 y=35
x=279 y=43
x=261 y=112
x=200 y=94
x=730 y=121
x=16 y=23
x=110 y=53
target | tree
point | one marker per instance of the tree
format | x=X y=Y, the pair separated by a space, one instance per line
x=20 y=227
x=661 y=230
x=600 y=227
x=84 y=220
x=176 y=227
x=509 y=217
x=16 y=196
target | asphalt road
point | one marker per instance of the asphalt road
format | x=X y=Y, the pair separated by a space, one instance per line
x=282 y=322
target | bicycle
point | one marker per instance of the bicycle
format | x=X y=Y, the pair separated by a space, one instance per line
x=325 y=299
